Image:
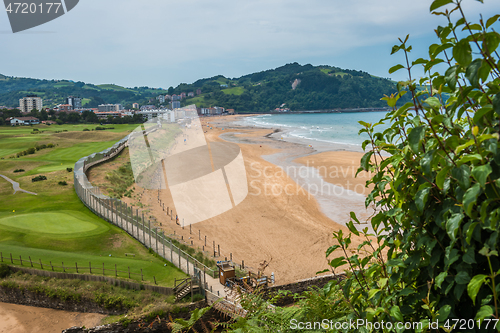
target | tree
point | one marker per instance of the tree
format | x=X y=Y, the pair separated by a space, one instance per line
x=74 y=117
x=34 y=113
x=63 y=116
x=43 y=115
x=89 y=117
x=436 y=189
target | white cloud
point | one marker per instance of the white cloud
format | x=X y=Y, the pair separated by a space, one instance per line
x=159 y=43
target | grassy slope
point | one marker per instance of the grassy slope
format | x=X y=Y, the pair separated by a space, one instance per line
x=234 y=91
x=55 y=225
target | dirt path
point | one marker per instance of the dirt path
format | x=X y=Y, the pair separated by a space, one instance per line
x=22 y=319
x=15 y=185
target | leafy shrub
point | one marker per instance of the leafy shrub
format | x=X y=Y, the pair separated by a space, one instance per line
x=86 y=130
x=4 y=271
x=38 y=178
x=99 y=128
x=69 y=169
x=19 y=170
x=62 y=183
x=436 y=190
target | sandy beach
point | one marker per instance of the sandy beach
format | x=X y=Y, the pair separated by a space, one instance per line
x=282 y=223
x=22 y=319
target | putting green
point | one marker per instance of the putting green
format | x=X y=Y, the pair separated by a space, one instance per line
x=62 y=223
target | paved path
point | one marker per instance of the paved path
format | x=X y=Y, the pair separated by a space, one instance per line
x=121 y=220
x=15 y=185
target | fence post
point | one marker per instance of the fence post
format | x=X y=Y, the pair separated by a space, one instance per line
x=11 y=261
x=218 y=247
x=149 y=228
x=110 y=203
x=51 y=266
x=137 y=221
x=205 y=240
x=163 y=242
x=31 y=263
x=1 y=257
x=120 y=213
x=20 y=260
x=180 y=267
x=41 y=263
x=171 y=251
x=189 y=228
x=102 y=269
x=199 y=234
x=187 y=264
x=131 y=221
x=214 y=249
x=129 y=272
x=116 y=271
x=90 y=267
x=64 y=270
x=156 y=232
x=76 y=266
x=143 y=230
x=142 y=277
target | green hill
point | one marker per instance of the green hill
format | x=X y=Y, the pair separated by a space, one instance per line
x=299 y=87
x=55 y=92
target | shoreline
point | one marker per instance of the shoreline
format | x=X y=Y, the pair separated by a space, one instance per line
x=328 y=182
x=279 y=225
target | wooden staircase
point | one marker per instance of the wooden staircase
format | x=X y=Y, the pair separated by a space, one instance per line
x=184 y=288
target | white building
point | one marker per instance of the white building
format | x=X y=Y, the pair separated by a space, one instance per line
x=14 y=121
x=30 y=102
x=166 y=114
x=110 y=107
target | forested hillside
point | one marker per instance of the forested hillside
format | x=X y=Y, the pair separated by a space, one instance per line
x=55 y=92
x=293 y=86
x=316 y=87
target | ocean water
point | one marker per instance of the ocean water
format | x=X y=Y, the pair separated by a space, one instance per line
x=335 y=128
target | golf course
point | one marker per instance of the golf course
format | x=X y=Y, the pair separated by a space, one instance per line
x=54 y=226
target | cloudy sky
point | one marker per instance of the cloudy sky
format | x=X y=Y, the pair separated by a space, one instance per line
x=161 y=43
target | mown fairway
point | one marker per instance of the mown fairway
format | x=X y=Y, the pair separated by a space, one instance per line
x=54 y=225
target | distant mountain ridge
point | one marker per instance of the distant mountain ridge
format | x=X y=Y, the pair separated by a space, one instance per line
x=294 y=86
x=55 y=92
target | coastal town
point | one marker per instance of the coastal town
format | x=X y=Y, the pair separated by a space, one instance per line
x=32 y=111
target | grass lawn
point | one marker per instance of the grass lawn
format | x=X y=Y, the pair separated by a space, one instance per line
x=113 y=87
x=234 y=91
x=55 y=225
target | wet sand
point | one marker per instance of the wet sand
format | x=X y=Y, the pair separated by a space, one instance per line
x=27 y=319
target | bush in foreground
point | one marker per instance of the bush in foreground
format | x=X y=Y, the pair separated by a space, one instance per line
x=438 y=193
